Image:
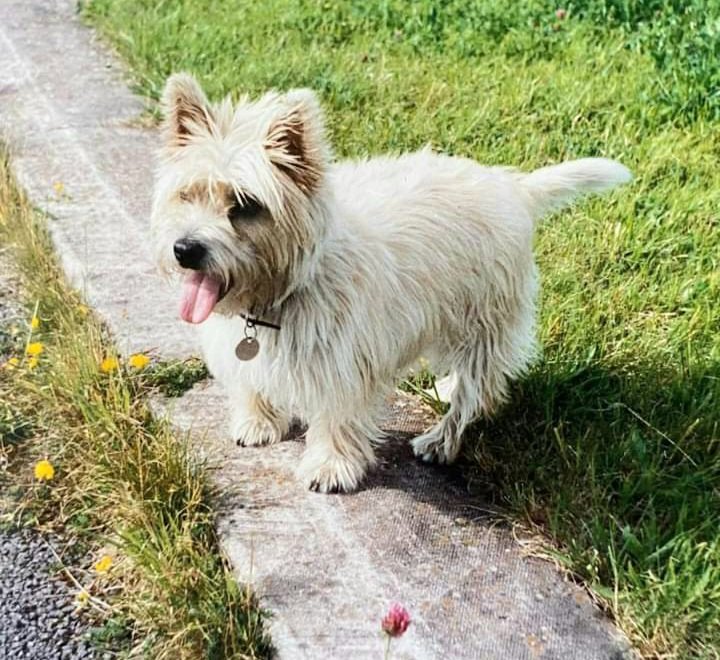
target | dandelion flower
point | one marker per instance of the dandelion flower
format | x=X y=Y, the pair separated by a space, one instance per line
x=109 y=364
x=82 y=597
x=59 y=187
x=32 y=363
x=12 y=363
x=44 y=470
x=396 y=621
x=83 y=310
x=103 y=564
x=34 y=322
x=139 y=360
x=34 y=348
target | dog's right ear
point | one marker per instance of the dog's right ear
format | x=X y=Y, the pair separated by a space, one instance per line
x=186 y=109
x=296 y=139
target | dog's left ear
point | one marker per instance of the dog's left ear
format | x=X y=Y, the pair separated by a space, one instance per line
x=296 y=140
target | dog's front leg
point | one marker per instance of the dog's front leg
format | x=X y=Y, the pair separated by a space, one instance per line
x=338 y=454
x=254 y=420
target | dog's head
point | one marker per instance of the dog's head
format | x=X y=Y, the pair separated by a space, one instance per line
x=235 y=195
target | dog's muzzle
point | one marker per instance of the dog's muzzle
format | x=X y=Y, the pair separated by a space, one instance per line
x=189 y=253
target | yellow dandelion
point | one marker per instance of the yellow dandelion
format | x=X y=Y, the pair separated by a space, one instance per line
x=83 y=310
x=12 y=363
x=44 y=470
x=139 y=360
x=32 y=363
x=103 y=564
x=34 y=348
x=59 y=187
x=109 y=364
x=82 y=597
x=34 y=322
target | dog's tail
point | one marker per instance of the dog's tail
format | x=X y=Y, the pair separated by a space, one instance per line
x=551 y=188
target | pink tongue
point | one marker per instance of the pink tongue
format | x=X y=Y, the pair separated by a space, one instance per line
x=200 y=293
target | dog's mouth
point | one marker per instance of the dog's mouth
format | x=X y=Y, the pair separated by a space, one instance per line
x=201 y=292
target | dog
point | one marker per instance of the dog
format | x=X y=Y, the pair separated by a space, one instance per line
x=316 y=284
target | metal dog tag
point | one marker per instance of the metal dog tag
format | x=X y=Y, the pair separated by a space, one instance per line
x=247 y=349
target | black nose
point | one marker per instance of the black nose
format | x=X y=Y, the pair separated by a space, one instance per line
x=189 y=253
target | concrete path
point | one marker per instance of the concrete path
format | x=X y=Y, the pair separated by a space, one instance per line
x=326 y=566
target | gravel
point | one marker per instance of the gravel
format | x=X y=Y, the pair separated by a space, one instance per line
x=38 y=617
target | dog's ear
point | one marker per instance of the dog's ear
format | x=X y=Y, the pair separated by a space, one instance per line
x=296 y=139
x=186 y=109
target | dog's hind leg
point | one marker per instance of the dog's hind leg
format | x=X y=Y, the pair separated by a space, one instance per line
x=480 y=373
x=442 y=442
x=255 y=421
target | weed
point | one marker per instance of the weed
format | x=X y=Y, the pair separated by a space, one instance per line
x=173 y=379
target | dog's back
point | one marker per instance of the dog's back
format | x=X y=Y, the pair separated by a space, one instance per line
x=395 y=192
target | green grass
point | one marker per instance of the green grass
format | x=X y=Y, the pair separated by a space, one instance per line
x=122 y=479
x=176 y=377
x=611 y=444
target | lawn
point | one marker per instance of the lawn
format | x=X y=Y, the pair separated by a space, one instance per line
x=611 y=445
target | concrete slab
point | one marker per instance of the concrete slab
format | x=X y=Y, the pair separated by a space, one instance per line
x=326 y=566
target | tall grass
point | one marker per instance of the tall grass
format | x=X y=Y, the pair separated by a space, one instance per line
x=122 y=477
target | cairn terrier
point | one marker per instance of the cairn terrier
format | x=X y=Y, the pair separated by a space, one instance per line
x=316 y=284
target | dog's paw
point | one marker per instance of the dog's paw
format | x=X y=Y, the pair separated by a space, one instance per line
x=254 y=431
x=433 y=447
x=331 y=473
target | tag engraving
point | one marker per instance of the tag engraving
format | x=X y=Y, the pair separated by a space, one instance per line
x=247 y=349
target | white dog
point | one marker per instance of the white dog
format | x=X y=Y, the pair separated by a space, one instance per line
x=318 y=284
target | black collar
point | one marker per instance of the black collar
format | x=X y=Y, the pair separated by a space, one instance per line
x=251 y=322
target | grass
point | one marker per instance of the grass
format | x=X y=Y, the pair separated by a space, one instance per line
x=174 y=378
x=122 y=480
x=611 y=444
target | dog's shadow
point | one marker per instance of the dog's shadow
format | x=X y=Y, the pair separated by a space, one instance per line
x=565 y=429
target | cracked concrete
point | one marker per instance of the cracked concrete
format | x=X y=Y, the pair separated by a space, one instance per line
x=326 y=566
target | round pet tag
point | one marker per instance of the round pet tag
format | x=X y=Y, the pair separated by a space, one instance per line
x=247 y=349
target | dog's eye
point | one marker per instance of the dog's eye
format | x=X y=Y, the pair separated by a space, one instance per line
x=244 y=209
x=184 y=196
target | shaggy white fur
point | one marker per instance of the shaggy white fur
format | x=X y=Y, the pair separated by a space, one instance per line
x=366 y=266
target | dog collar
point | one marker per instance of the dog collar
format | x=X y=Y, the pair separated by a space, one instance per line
x=251 y=322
